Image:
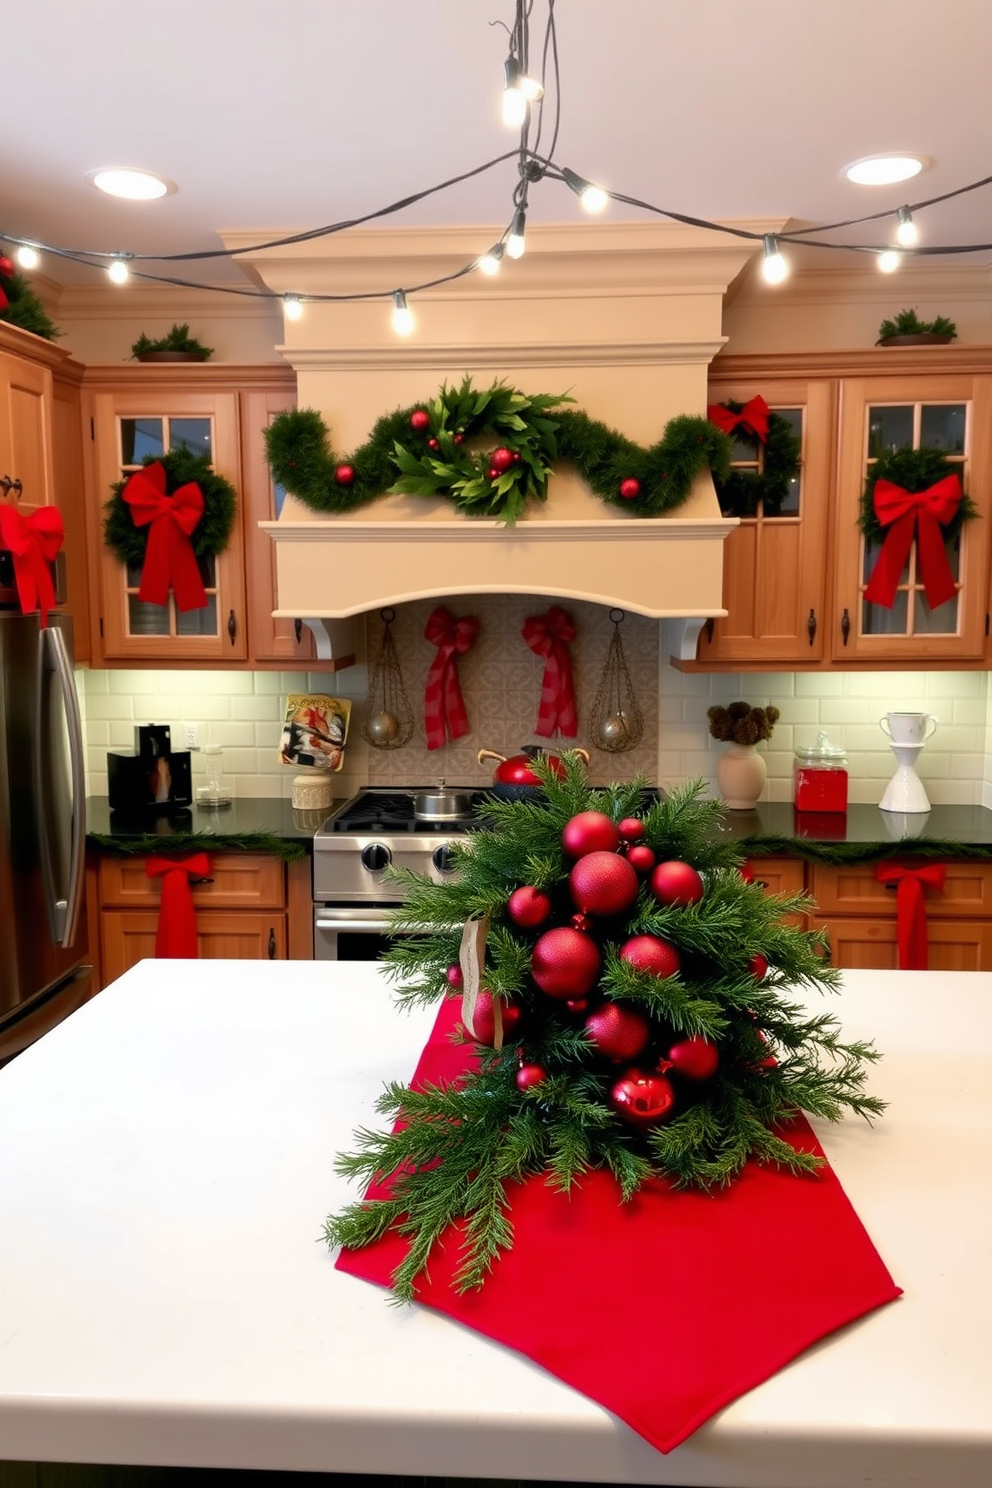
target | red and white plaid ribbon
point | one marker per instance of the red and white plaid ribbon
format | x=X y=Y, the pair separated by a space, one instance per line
x=444 y=706
x=548 y=635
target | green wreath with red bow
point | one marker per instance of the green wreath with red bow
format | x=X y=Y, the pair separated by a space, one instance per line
x=754 y=425
x=431 y=449
x=913 y=494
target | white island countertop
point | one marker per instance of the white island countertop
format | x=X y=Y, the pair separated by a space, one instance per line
x=166 y=1163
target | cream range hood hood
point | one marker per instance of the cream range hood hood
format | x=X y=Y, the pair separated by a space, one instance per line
x=624 y=319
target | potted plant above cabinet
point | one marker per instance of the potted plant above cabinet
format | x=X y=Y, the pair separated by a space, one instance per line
x=177 y=345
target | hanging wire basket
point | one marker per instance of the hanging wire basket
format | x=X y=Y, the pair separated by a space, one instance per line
x=387 y=719
x=616 y=723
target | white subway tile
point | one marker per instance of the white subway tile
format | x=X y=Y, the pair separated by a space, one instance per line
x=956 y=684
x=819 y=684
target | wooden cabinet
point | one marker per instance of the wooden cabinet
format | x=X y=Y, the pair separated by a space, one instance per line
x=778 y=875
x=252 y=907
x=26 y=418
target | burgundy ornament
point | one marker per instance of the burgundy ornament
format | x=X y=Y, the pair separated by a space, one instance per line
x=695 y=1058
x=676 y=882
x=651 y=953
x=528 y=907
x=433 y=443
x=529 y=1075
x=603 y=883
x=758 y=966
x=459 y=438
x=577 y=1004
x=455 y=979
x=494 y=474
x=581 y=922
x=420 y=419
x=630 y=489
x=618 y=1032
x=501 y=459
x=344 y=475
x=590 y=831
x=516 y=457
x=631 y=829
x=565 y=963
x=641 y=858
x=644 y=1098
x=483 y=1028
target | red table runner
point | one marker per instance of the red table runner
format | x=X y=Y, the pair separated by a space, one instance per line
x=667 y=1308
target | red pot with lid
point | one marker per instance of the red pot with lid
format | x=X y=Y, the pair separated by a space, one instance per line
x=514 y=778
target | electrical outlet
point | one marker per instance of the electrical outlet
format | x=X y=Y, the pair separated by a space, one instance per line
x=191 y=736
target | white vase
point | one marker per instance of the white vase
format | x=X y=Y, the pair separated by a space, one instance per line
x=741 y=773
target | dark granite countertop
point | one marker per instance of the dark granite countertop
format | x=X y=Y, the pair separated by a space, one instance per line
x=263 y=823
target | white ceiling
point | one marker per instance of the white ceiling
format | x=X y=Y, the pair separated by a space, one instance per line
x=289 y=115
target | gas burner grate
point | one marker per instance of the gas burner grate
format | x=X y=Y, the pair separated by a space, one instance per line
x=392 y=811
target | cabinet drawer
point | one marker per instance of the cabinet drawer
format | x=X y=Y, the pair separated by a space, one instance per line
x=128 y=936
x=238 y=881
x=855 y=890
x=779 y=875
x=864 y=943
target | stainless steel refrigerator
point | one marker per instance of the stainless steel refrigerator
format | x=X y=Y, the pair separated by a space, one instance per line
x=43 y=943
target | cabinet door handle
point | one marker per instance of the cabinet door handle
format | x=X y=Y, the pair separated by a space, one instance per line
x=272 y=943
x=195 y=882
x=7 y=485
x=811 y=626
x=845 y=626
x=232 y=626
x=709 y=631
x=298 y=630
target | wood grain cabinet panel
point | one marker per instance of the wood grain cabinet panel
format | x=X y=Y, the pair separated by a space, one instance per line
x=128 y=936
x=855 y=890
x=866 y=942
x=236 y=881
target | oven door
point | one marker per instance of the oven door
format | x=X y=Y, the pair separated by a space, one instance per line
x=351 y=932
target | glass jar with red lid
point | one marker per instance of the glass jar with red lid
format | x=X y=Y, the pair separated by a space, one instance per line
x=819 y=776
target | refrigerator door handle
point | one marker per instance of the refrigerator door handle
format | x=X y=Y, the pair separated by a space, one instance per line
x=63 y=913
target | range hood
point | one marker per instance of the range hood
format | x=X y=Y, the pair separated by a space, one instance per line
x=623 y=319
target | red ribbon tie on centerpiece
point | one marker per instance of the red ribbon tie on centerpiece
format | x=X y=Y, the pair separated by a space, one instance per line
x=33 y=542
x=175 y=938
x=906 y=513
x=911 y=910
x=169 y=558
x=444 y=706
x=753 y=418
x=549 y=635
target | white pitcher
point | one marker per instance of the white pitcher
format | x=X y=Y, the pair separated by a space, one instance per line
x=908 y=728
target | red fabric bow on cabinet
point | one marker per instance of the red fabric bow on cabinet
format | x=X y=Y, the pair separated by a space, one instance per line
x=444 y=706
x=175 y=938
x=169 y=558
x=906 y=513
x=753 y=418
x=911 y=910
x=549 y=635
x=34 y=541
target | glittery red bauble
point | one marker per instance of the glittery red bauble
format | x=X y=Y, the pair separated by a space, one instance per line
x=758 y=966
x=494 y=474
x=630 y=489
x=455 y=979
x=676 y=882
x=528 y=907
x=590 y=831
x=617 y=1032
x=420 y=419
x=641 y=858
x=529 y=1075
x=344 y=475
x=603 y=883
x=696 y=1058
x=643 y=1097
x=501 y=459
x=651 y=953
x=577 y=1004
x=631 y=829
x=433 y=443
x=516 y=457
x=459 y=438
x=483 y=1028
x=565 y=963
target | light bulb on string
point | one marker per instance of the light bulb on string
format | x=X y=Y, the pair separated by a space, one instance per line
x=532 y=90
x=889 y=260
x=514 y=98
x=402 y=314
x=515 y=243
x=292 y=307
x=774 y=267
x=118 y=271
x=593 y=198
x=907 y=233
x=27 y=256
x=489 y=262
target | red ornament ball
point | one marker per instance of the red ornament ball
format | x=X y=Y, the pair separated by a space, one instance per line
x=590 y=831
x=529 y=1075
x=696 y=1058
x=565 y=963
x=528 y=907
x=603 y=883
x=758 y=966
x=631 y=829
x=643 y=1098
x=651 y=953
x=501 y=459
x=630 y=489
x=459 y=438
x=455 y=979
x=420 y=419
x=344 y=475
x=577 y=1004
x=494 y=474
x=433 y=443
x=483 y=1028
x=6 y=266
x=618 y=1032
x=676 y=882
x=641 y=858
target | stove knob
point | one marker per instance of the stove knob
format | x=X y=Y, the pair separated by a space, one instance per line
x=443 y=858
x=376 y=856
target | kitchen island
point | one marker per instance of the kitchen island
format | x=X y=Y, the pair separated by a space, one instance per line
x=165 y=1168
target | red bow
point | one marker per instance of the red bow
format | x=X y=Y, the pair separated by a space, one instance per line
x=175 y=938
x=4 y=302
x=753 y=417
x=169 y=558
x=900 y=511
x=444 y=706
x=911 y=911
x=34 y=542
x=548 y=635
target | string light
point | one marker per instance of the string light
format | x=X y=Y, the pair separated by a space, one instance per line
x=774 y=267
x=118 y=271
x=889 y=260
x=514 y=98
x=292 y=307
x=593 y=198
x=489 y=262
x=515 y=243
x=907 y=232
x=402 y=314
x=28 y=256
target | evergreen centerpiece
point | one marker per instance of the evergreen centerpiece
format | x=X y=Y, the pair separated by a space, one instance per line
x=907 y=329
x=631 y=1012
x=20 y=306
x=177 y=345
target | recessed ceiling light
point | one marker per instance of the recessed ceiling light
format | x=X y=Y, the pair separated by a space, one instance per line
x=883 y=170
x=133 y=185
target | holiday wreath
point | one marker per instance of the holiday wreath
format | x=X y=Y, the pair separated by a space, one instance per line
x=212 y=531
x=913 y=493
x=755 y=426
x=627 y=991
x=429 y=449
